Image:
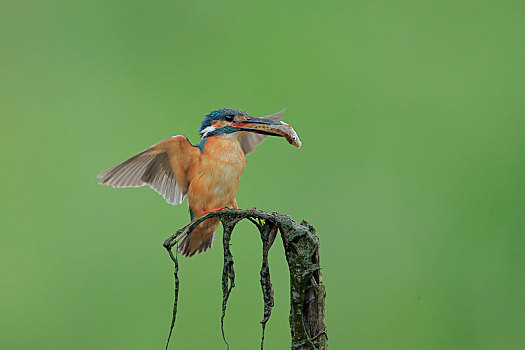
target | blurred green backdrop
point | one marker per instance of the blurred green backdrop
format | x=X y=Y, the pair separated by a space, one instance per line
x=411 y=115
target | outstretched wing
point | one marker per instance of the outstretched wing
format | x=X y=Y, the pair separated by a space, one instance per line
x=249 y=140
x=163 y=167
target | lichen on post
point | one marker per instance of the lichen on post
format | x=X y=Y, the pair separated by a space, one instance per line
x=301 y=245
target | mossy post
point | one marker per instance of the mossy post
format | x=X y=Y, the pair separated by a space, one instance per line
x=301 y=246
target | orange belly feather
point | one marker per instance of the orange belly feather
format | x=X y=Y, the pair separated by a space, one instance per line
x=214 y=179
x=215 y=175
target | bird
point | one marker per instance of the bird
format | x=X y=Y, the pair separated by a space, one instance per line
x=207 y=174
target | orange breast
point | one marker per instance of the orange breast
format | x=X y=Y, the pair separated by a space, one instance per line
x=214 y=176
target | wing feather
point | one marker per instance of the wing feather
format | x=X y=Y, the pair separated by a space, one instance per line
x=163 y=167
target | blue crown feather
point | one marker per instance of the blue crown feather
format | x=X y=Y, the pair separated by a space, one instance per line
x=217 y=115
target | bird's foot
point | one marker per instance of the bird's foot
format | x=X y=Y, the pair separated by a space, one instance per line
x=212 y=210
x=219 y=209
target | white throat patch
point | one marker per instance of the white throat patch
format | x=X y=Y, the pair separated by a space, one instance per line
x=207 y=130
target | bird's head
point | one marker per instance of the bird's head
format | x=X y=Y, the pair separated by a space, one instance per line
x=228 y=121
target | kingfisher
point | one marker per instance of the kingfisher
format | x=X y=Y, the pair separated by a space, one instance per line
x=207 y=174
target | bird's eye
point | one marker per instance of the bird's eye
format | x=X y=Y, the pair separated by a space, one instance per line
x=229 y=118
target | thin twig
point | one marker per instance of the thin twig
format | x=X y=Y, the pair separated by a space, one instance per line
x=176 y=296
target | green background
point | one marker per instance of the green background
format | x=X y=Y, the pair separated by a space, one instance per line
x=411 y=117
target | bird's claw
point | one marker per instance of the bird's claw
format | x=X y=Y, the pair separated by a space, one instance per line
x=212 y=210
x=219 y=209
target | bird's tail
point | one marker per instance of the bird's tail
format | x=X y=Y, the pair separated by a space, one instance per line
x=200 y=239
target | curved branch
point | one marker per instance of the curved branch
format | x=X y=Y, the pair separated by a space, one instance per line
x=301 y=245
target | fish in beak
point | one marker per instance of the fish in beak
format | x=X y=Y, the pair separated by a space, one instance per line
x=269 y=127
